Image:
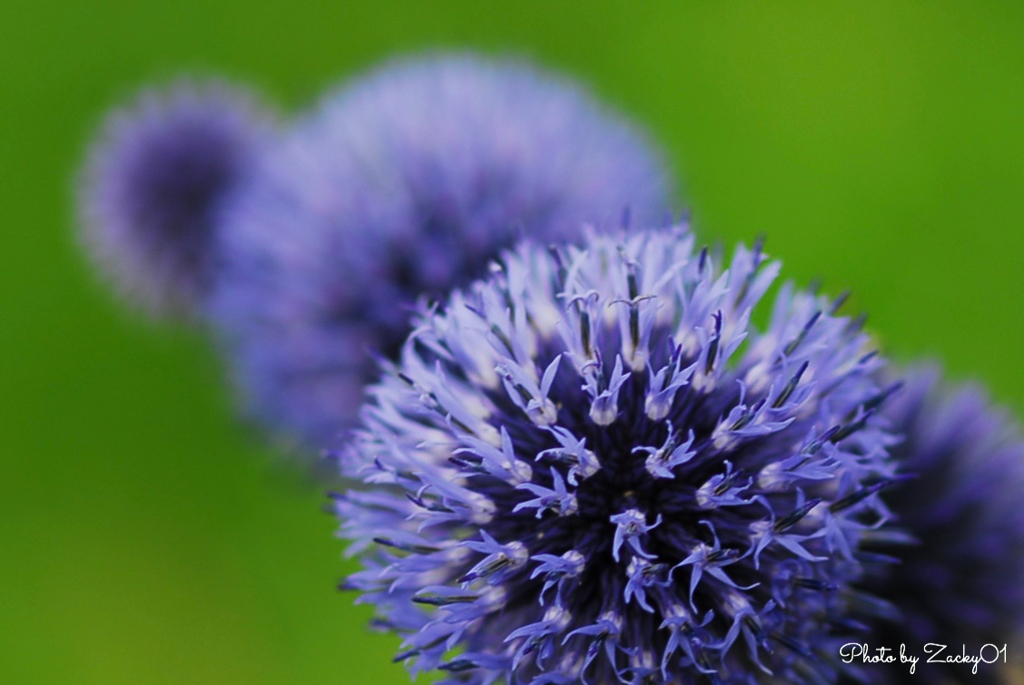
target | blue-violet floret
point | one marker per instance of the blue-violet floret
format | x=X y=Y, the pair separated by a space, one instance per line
x=593 y=467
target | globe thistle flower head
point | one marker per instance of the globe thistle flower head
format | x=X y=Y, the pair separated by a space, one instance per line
x=406 y=183
x=592 y=467
x=153 y=184
x=961 y=583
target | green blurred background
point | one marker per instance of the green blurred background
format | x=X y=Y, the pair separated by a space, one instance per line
x=146 y=538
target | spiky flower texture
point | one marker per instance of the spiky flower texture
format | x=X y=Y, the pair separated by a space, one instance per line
x=593 y=467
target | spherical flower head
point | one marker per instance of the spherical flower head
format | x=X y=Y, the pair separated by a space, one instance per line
x=406 y=183
x=593 y=467
x=962 y=583
x=153 y=184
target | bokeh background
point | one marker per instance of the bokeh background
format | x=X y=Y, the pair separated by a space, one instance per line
x=146 y=537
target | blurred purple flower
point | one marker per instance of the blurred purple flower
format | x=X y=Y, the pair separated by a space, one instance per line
x=153 y=184
x=962 y=584
x=593 y=468
x=404 y=184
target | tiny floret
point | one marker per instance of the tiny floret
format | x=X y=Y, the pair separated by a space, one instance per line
x=716 y=538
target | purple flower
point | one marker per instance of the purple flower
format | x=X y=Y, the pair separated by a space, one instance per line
x=153 y=185
x=593 y=467
x=962 y=583
x=401 y=185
